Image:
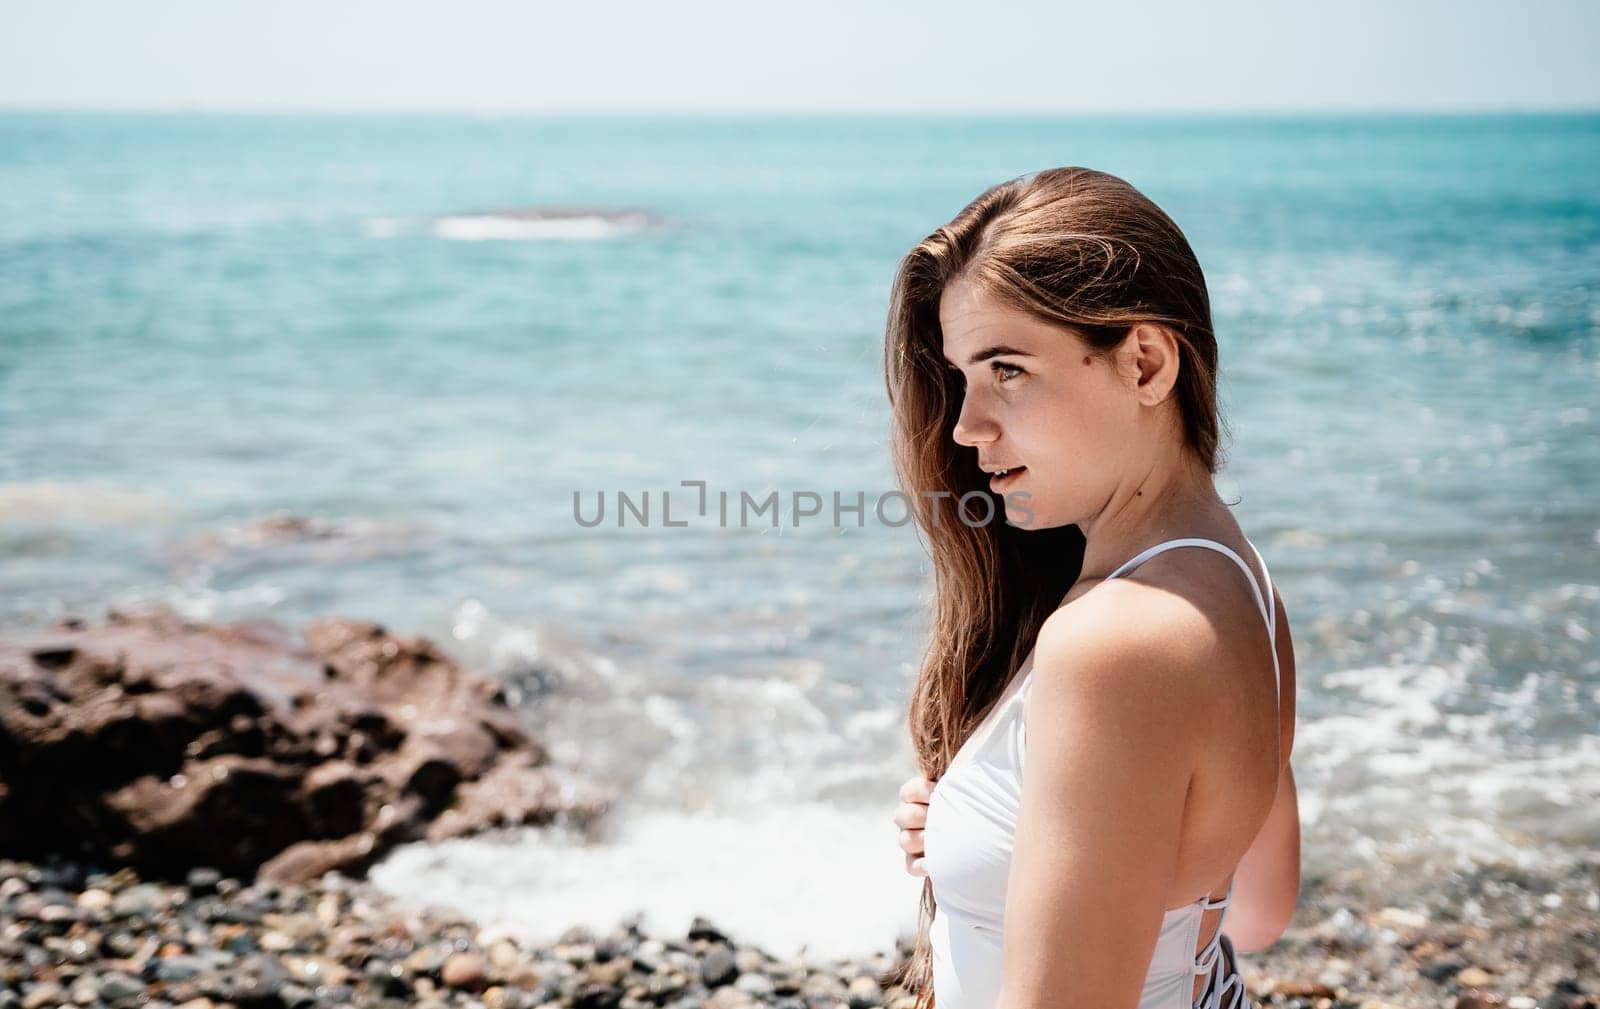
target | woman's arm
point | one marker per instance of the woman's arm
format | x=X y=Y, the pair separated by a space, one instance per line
x=1112 y=721
x=1267 y=886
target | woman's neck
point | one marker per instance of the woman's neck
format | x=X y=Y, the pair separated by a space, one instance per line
x=1166 y=502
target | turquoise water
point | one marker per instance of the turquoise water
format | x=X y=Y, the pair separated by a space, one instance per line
x=205 y=321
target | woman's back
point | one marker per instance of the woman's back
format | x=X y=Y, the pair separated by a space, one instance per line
x=971 y=817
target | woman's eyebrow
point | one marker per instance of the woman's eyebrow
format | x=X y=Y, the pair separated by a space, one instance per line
x=995 y=351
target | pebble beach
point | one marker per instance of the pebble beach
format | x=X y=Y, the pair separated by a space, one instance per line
x=72 y=936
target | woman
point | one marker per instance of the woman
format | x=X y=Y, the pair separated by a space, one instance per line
x=1053 y=344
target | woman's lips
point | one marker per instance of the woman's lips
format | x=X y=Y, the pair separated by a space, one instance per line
x=996 y=482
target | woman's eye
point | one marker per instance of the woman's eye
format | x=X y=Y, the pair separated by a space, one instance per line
x=1001 y=369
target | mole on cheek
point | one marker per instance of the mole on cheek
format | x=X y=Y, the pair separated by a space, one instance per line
x=1086 y=362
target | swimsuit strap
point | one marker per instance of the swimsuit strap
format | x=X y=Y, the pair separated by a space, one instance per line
x=1267 y=607
x=1207 y=957
x=1219 y=993
x=1198 y=541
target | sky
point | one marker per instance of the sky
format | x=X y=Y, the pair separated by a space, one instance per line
x=825 y=56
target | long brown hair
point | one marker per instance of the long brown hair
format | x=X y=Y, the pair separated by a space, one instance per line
x=1074 y=247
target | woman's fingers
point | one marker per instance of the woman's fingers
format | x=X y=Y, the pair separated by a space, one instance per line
x=916 y=790
x=910 y=816
x=911 y=841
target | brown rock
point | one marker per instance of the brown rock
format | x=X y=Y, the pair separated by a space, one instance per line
x=165 y=743
x=305 y=860
x=511 y=793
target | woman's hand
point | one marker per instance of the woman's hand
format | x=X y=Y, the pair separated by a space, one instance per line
x=910 y=816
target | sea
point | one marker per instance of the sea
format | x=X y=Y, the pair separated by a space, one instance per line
x=508 y=381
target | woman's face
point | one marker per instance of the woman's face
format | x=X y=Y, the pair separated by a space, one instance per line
x=1037 y=399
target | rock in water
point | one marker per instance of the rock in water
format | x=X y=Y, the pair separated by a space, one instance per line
x=165 y=744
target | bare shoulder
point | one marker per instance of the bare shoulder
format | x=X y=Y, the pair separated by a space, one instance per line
x=1128 y=648
x=1187 y=632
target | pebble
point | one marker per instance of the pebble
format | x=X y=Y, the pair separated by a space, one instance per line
x=44 y=994
x=1399 y=917
x=718 y=967
x=95 y=901
x=824 y=986
x=203 y=880
x=755 y=984
x=116 y=986
x=729 y=997
x=1474 y=977
x=1299 y=989
x=275 y=942
x=464 y=970
x=864 y=993
x=1439 y=968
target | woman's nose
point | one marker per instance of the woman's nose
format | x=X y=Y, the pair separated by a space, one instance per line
x=973 y=427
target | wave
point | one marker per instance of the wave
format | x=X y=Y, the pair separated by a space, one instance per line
x=518 y=224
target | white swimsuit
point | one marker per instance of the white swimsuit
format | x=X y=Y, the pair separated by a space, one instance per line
x=967 y=840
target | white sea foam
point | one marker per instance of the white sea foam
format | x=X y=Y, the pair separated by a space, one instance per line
x=797 y=880
x=1424 y=756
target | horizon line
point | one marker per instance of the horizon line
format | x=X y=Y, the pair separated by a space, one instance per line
x=710 y=112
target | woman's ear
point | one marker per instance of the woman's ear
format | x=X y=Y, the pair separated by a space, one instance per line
x=1156 y=360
